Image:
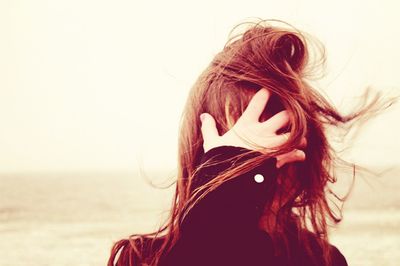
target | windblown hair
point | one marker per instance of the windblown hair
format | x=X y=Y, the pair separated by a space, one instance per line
x=279 y=59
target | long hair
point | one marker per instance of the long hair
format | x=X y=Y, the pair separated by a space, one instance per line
x=276 y=58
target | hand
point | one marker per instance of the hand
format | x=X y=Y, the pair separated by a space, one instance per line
x=247 y=127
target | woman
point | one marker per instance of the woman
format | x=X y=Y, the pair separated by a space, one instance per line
x=252 y=185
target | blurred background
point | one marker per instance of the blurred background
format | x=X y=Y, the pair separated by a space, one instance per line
x=91 y=93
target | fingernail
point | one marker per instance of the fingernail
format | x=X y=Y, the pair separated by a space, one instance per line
x=202 y=116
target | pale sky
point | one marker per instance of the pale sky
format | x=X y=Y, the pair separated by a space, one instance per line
x=96 y=85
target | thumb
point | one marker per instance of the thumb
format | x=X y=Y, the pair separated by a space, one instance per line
x=208 y=128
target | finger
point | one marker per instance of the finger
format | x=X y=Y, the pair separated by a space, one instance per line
x=256 y=105
x=279 y=140
x=277 y=121
x=208 y=128
x=292 y=156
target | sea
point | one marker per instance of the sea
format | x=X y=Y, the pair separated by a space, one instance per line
x=74 y=218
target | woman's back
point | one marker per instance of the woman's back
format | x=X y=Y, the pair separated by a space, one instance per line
x=254 y=250
x=222 y=228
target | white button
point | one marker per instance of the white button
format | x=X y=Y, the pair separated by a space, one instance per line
x=259 y=178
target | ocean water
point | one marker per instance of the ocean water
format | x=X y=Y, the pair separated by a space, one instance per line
x=73 y=219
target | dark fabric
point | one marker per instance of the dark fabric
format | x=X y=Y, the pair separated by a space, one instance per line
x=221 y=229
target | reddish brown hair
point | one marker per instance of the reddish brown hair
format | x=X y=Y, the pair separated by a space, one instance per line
x=278 y=59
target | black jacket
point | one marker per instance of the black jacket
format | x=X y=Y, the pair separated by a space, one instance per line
x=221 y=229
